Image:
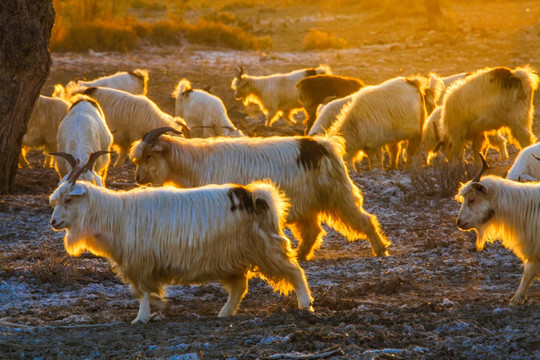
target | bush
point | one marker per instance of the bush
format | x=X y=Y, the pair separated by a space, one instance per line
x=320 y=40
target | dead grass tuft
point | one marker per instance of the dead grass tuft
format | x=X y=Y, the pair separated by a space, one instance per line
x=321 y=40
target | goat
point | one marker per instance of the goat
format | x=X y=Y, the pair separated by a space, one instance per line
x=309 y=170
x=42 y=128
x=275 y=94
x=506 y=210
x=327 y=114
x=129 y=116
x=312 y=90
x=384 y=114
x=526 y=167
x=134 y=82
x=83 y=132
x=204 y=113
x=157 y=237
x=489 y=99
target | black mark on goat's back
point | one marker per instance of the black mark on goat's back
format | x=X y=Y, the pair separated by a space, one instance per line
x=241 y=199
x=504 y=77
x=136 y=74
x=187 y=92
x=311 y=153
x=91 y=101
x=311 y=72
x=90 y=91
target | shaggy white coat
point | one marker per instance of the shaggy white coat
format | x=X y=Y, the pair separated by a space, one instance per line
x=159 y=237
x=42 y=128
x=204 y=113
x=509 y=211
x=481 y=103
x=135 y=82
x=526 y=167
x=325 y=193
x=83 y=132
x=275 y=94
x=327 y=114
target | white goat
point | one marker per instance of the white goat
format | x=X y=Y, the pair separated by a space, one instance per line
x=309 y=170
x=204 y=113
x=134 y=82
x=275 y=94
x=526 y=167
x=505 y=210
x=327 y=114
x=42 y=128
x=82 y=133
x=488 y=100
x=384 y=114
x=157 y=237
x=130 y=116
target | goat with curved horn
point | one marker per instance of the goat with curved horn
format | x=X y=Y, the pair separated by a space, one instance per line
x=68 y=157
x=151 y=136
x=485 y=167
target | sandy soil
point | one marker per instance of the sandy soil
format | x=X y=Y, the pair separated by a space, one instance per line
x=435 y=297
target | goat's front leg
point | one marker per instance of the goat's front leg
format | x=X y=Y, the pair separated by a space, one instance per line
x=531 y=271
x=144 y=309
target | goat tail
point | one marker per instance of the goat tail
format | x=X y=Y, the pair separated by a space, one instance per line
x=182 y=86
x=434 y=88
x=528 y=77
x=271 y=205
x=324 y=69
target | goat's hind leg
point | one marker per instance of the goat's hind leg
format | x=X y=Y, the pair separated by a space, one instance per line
x=236 y=287
x=532 y=270
x=309 y=233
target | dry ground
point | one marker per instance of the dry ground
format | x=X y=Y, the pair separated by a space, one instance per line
x=435 y=297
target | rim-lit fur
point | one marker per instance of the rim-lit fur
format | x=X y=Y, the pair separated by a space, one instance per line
x=327 y=114
x=325 y=193
x=159 y=237
x=204 y=113
x=275 y=94
x=81 y=133
x=383 y=114
x=526 y=167
x=129 y=117
x=480 y=142
x=134 y=82
x=312 y=91
x=507 y=211
x=489 y=99
x=42 y=128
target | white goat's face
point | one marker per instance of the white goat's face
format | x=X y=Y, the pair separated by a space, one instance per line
x=68 y=201
x=241 y=90
x=476 y=209
x=152 y=168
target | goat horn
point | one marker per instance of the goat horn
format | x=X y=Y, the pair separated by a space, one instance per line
x=92 y=159
x=485 y=167
x=536 y=157
x=69 y=158
x=151 y=136
x=75 y=172
x=185 y=129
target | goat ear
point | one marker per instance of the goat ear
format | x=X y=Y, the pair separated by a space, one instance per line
x=157 y=148
x=479 y=187
x=77 y=190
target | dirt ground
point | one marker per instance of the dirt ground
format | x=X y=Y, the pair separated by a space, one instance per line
x=435 y=297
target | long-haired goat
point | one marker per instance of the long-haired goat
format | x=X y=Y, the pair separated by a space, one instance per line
x=384 y=114
x=204 y=113
x=526 y=167
x=505 y=210
x=275 y=94
x=327 y=114
x=83 y=132
x=130 y=117
x=488 y=100
x=42 y=128
x=312 y=90
x=309 y=170
x=134 y=82
x=157 y=237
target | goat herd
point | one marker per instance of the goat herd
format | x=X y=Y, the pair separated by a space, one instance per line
x=223 y=220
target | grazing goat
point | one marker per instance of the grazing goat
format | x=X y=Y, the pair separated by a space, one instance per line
x=309 y=170
x=312 y=90
x=134 y=82
x=42 y=128
x=505 y=210
x=327 y=114
x=130 y=117
x=488 y=100
x=82 y=133
x=480 y=142
x=384 y=114
x=526 y=167
x=158 y=237
x=204 y=113
x=275 y=94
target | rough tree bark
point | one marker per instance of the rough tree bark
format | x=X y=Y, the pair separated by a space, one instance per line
x=25 y=29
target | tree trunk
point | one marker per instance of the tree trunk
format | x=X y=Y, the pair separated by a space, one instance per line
x=25 y=29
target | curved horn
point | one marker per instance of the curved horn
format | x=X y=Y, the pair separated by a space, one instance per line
x=185 y=129
x=75 y=173
x=485 y=167
x=92 y=159
x=536 y=157
x=151 y=136
x=240 y=71
x=68 y=157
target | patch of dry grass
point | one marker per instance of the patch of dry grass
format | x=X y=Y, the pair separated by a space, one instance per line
x=321 y=40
